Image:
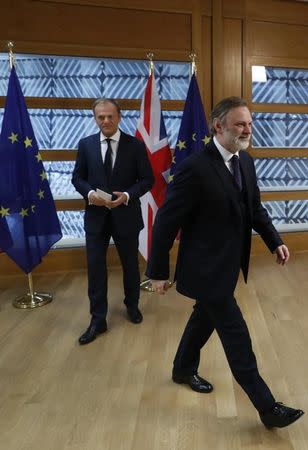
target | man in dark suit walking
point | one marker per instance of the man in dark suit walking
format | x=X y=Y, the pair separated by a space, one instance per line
x=115 y=163
x=215 y=201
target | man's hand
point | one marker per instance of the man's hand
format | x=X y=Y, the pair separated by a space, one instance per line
x=160 y=286
x=121 y=198
x=283 y=255
x=97 y=200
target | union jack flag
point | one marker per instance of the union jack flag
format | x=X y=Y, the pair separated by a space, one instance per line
x=151 y=130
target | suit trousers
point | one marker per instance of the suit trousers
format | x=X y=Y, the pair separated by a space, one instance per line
x=226 y=318
x=97 y=246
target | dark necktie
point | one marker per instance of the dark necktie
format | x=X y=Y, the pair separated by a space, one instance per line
x=235 y=162
x=108 y=161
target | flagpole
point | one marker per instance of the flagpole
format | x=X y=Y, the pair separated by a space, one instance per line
x=10 y=46
x=31 y=299
x=193 y=71
x=150 y=57
x=145 y=284
x=193 y=57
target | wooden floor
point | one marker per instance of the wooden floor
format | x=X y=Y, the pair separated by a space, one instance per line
x=116 y=393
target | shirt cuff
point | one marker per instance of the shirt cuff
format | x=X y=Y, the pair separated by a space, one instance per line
x=127 y=197
x=89 y=193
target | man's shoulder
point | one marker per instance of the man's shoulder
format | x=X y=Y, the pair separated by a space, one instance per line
x=210 y=147
x=128 y=139
x=193 y=163
x=201 y=155
x=90 y=138
x=245 y=156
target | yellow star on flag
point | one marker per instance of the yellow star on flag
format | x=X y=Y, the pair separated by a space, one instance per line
x=43 y=175
x=40 y=194
x=206 y=139
x=181 y=144
x=13 y=137
x=24 y=212
x=4 y=211
x=170 y=178
x=28 y=142
x=38 y=157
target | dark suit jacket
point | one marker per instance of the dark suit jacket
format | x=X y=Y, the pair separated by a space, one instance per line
x=132 y=173
x=203 y=202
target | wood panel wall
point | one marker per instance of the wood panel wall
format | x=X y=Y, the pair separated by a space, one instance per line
x=228 y=35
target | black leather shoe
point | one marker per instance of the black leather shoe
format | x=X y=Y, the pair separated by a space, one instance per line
x=280 y=416
x=195 y=382
x=90 y=334
x=134 y=315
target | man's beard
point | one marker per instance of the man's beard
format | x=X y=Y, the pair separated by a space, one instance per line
x=241 y=143
x=236 y=143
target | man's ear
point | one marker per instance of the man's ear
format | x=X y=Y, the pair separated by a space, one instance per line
x=217 y=125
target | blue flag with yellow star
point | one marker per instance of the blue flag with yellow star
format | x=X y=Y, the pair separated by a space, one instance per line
x=194 y=132
x=29 y=224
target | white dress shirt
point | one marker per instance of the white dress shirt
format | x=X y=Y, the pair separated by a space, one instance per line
x=114 y=142
x=226 y=155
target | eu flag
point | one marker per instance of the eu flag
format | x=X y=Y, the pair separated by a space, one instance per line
x=194 y=132
x=29 y=224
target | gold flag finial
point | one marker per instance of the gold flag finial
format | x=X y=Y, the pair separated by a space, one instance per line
x=150 y=57
x=193 y=57
x=10 y=46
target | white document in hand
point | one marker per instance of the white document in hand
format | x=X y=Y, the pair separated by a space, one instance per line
x=103 y=194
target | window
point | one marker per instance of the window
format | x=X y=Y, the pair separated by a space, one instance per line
x=50 y=78
x=279 y=85
x=280 y=141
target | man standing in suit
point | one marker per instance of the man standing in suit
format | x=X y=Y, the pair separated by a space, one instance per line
x=215 y=201
x=116 y=163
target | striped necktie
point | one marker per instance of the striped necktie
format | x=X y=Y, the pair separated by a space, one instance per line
x=235 y=163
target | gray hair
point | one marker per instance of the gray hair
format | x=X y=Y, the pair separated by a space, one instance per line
x=104 y=101
x=223 y=107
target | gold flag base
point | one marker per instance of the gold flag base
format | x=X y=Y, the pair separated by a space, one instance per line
x=31 y=301
x=145 y=285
